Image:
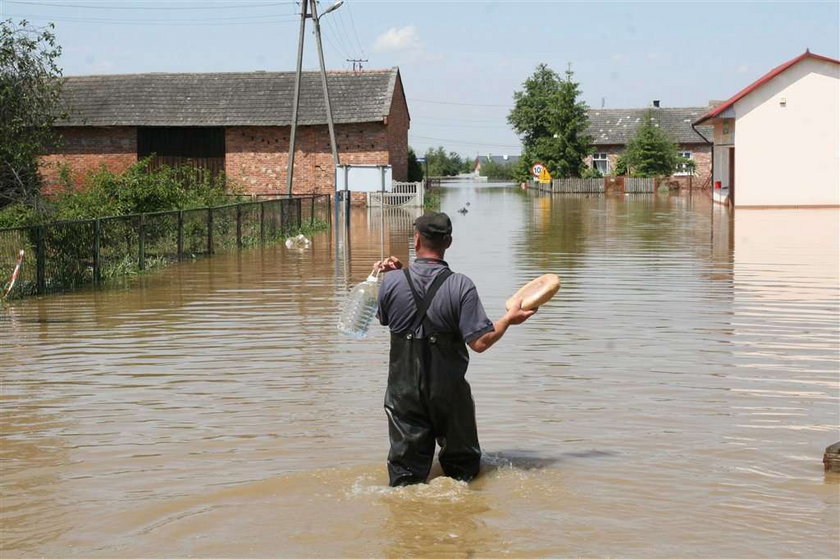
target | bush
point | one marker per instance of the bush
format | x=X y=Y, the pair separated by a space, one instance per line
x=138 y=190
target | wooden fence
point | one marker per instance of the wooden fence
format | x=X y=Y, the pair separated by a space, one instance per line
x=626 y=185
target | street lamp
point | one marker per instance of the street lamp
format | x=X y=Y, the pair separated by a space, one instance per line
x=334 y=7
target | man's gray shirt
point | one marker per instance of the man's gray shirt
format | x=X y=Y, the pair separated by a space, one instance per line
x=456 y=308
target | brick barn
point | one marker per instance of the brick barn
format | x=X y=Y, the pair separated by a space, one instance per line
x=238 y=123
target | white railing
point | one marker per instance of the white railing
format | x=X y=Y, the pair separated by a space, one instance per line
x=403 y=194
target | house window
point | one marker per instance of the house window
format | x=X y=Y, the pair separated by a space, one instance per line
x=684 y=168
x=601 y=163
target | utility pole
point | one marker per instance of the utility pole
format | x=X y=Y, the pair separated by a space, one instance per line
x=356 y=61
x=296 y=100
x=316 y=21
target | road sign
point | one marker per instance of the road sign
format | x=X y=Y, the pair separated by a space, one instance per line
x=537 y=169
x=545 y=176
x=421 y=160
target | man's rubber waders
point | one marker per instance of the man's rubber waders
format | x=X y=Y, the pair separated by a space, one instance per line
x=428 y=399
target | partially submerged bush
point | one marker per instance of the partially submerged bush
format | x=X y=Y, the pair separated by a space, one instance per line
x=139 y=189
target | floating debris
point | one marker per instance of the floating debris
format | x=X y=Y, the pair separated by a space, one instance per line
x=298 y=242
x=14 y=277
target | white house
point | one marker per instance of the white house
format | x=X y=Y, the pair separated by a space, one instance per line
x=777 y=141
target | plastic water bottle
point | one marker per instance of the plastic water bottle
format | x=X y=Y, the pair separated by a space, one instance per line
x=359 y=308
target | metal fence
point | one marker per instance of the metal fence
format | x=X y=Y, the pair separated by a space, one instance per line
x=406 y=194
x=64 y=255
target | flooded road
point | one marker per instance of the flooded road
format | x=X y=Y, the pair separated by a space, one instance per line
x=674 y=399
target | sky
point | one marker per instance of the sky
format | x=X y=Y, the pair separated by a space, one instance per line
x=460 y=62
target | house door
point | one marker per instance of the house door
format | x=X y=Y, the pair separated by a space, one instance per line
x=732 y=176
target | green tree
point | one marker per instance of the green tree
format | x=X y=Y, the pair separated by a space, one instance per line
x=552 y=122
x=650 y=153
x=497 y=171
x=415 y=169
x=441 y=164
x=30 y=88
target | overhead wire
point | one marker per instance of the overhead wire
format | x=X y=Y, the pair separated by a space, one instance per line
x=250 y=20
x=346 y=35
x=355 y=32
x=150 y=6
x=464 y=142
x=413 y=99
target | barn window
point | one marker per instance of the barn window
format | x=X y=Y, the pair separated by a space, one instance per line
x=201 y=147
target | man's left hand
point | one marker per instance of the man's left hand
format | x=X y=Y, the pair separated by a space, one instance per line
x=389 y=264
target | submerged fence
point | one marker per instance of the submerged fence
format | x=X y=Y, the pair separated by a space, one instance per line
x=627 y=185
x=64 y=255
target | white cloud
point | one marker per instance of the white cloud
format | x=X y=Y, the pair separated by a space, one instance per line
x=398 y=39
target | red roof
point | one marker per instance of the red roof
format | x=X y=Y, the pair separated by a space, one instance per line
x=761 y=81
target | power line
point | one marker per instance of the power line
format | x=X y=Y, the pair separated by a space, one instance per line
x=341 y=38
x=462 y=142
x=355 y=33
x=419 y=116
x=151 y=7
x=415 y=100
x=357 y=61
x=249 y=20
x=343 y=25
x=419 y=121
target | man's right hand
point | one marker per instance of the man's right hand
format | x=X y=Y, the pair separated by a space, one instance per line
x=389 y=264
x=515 y=315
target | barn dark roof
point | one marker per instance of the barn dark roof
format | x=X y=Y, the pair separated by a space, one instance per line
x=226 y=99
x=618 y=126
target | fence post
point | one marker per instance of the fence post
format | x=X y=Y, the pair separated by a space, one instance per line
x=262 y=223
x=180 y=248
x=209 y=230
x=97 y=264
x=141 y=233
x=299 y=208
x=40 y=260
x=238 y=226
x=329 y=210
x=283 y=208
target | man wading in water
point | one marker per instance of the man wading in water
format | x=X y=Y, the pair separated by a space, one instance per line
x=433 y=314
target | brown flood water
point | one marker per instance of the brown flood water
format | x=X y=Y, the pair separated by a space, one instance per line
x=673 y=400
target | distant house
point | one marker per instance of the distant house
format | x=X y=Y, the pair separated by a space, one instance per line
x=498 y=159
x=777 y=141
x=612 y=130
x=238 y=123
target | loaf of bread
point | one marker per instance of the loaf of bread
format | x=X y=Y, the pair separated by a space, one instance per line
x=536 y=292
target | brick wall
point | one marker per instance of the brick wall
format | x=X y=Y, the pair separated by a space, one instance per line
x=86 y=149
x=700 y=153
x=257 y=157
x=397 y=125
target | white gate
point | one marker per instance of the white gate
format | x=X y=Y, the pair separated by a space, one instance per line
x=403 y=194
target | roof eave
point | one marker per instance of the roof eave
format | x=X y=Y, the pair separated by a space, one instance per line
x=717 y=111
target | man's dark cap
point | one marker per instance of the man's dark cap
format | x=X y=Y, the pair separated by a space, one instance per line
x=433 y=225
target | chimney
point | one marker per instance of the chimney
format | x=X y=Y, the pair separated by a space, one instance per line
x=656 y=103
